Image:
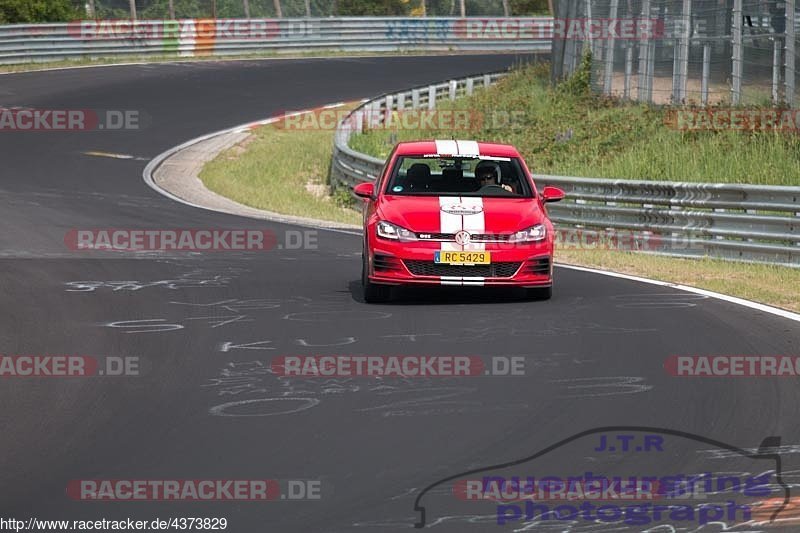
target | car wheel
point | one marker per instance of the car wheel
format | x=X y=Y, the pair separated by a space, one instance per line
x=374 y=293
x=539 y=293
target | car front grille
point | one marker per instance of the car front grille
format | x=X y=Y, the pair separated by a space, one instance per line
x=490 y=237
x=474 y=237
x=495 y=270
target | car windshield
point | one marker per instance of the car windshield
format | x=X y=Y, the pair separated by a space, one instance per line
x=459 y=176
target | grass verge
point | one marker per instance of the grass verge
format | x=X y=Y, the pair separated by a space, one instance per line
x=281 y=170
x=276 y=168
x=568 y=131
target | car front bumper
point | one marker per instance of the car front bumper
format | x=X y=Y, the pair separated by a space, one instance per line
x=412 y=263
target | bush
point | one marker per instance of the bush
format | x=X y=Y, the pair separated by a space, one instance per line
x=580 y=83
x=29 y=11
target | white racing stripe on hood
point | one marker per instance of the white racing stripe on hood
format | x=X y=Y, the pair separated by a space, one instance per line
x=468 y=148
x=446 y=148
x=449 y=223
x=474 y=223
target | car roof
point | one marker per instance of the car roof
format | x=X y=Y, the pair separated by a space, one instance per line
x=450 y=147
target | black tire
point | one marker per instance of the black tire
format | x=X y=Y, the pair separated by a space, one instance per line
x=374 y=293
x=539 y=293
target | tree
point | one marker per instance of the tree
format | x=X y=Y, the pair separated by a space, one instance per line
x=21 y=11
x=529 y=7
x=366 y=8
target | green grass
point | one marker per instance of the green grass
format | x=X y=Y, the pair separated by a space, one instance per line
x=284 y=171
x=568 y=132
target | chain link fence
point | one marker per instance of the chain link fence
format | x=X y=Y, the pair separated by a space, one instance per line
x=164 y=9
x=738 y=52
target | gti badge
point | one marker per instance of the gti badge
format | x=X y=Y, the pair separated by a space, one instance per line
x=461 y=209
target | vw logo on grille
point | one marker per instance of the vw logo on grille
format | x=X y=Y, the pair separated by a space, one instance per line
x=463 y=237
x=461 y=209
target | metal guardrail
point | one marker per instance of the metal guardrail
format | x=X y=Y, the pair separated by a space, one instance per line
x=349 y=167
x=730 y=221
x=23 y=43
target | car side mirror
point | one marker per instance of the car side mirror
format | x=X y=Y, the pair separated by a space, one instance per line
x=364 y=190
x=552 y=194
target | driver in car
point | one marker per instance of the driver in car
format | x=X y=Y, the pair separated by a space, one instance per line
x=488 y=174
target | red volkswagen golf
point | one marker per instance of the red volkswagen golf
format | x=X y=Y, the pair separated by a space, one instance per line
x=456 y=213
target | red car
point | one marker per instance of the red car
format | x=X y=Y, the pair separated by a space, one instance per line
x=456 y=213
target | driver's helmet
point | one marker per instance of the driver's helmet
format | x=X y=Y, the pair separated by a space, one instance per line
x=488 y=168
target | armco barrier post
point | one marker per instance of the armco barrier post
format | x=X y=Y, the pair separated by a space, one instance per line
x=776 y=69
x=387 y=119
x=628 y=70
x=706 y=73
x=608 y=76
x=790 y=52
x=644 y=57
x=736 y=74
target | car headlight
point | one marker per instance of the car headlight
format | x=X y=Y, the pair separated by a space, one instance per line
x=387 y=230
x=532 y=234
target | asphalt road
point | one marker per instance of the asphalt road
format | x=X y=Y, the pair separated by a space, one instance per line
x=206 y=326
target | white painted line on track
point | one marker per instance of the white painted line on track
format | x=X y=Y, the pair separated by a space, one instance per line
x=731 y=299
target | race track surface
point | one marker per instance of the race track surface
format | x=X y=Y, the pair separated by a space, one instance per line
x=207 y=325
